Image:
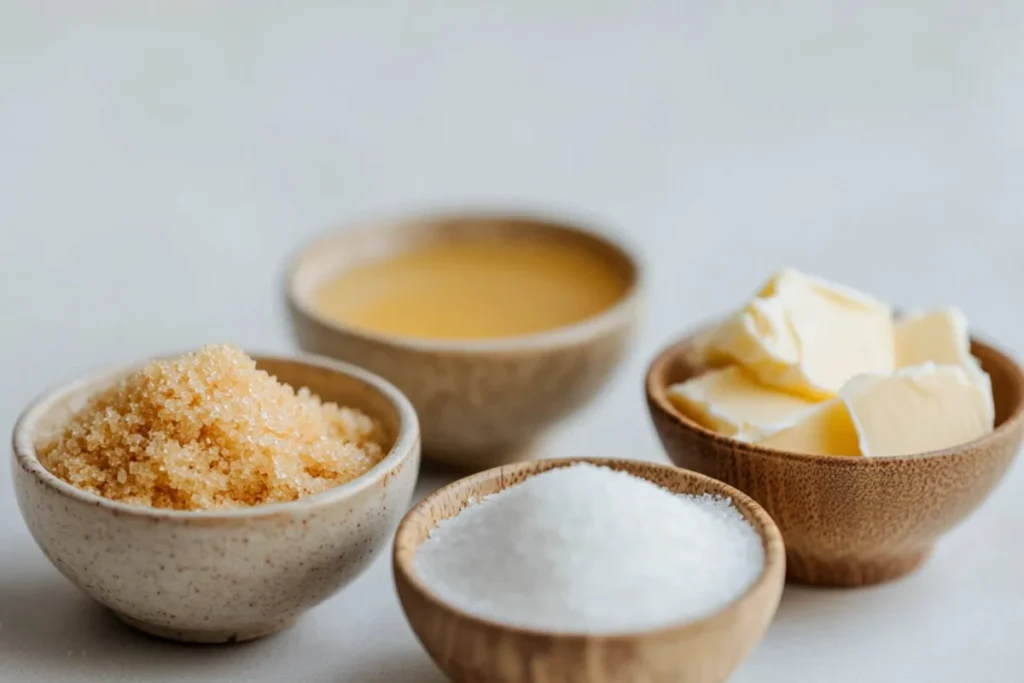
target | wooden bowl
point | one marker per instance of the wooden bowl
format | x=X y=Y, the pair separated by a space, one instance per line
x=848 y=521
x=470 y=649
x=220 y=575
x=481 y=403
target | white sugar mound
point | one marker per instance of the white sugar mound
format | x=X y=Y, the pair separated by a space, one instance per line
x=588 y=549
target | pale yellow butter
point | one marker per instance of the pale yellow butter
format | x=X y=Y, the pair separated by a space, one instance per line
x=941 y=337
x=806 y=336
x=828 y=429
x=733 y=403
x=814 y=367
x=917 y=409
x=937 y=336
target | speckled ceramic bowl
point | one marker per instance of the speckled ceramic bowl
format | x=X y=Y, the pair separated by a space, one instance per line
x=221 y=576
x=481 y=403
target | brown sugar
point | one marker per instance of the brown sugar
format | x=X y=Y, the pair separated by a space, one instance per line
x=209 y=431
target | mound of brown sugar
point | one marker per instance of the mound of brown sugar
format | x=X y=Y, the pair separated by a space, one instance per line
x=209 y=430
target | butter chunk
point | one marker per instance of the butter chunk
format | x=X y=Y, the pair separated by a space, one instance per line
x=917 y=409
x=733 y=403
x=941 y=337
x=806 y=336
x=827 y=429
x=937 y=336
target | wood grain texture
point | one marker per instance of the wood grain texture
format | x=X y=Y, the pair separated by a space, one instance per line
x=474 y=650
x=480 y=402
x=848 y=521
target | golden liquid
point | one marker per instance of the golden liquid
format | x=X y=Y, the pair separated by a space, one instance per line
x=474 y=290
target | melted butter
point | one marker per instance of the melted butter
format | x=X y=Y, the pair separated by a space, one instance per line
x=475 y=290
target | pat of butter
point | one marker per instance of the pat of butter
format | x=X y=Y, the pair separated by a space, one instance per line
x=916 y=409
x=919 y=408
x=806 y=336
x=828 y=429
x=733 y=403
x=941 y=337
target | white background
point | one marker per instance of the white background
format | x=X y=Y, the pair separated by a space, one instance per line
x=158 y=160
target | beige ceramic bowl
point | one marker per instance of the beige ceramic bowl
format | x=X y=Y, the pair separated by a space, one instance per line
x=470 y=649
x=231 y=575
x=480 y=403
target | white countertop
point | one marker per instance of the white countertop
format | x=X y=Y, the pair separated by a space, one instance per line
x=158 y=160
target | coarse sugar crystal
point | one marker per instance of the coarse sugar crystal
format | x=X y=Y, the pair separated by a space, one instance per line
x=588 y=549
x=209 y=430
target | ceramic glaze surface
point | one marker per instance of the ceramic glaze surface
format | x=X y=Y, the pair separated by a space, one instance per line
x=216 y=577
x=481 y=402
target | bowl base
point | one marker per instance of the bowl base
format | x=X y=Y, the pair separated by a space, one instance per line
x=814 y=571
x=210 y=637
x=483 y=459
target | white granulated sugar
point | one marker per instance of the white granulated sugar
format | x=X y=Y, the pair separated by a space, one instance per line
x=591 y=550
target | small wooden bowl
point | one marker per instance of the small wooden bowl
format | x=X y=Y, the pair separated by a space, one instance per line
x=848 y=521
x=470 y=649
x=481 y=403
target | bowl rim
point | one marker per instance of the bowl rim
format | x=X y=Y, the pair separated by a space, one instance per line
x=562 y=222
x=406 y=442
x=774 y=568
x=657 y=400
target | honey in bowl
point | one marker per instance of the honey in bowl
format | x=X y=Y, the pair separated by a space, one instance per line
x=475 y=289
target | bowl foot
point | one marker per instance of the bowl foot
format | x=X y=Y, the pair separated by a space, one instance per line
x=212 y=636
x=852 y=572
x=483 y=459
